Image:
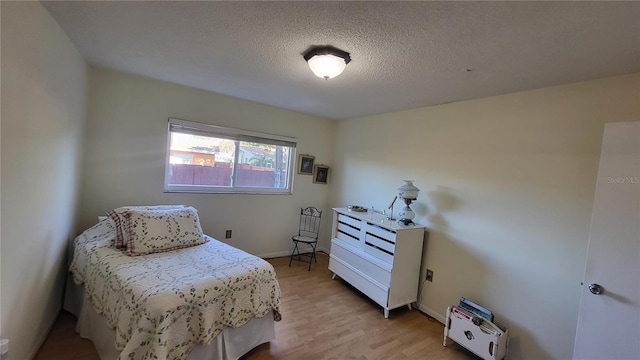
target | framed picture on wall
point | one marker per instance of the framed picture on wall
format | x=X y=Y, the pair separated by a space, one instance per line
x=305 y=164
x=320 y=174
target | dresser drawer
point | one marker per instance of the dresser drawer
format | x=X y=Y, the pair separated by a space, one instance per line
x=360 y=281
x=381 y=274
x=348 y=233
x=380 y=242
x=346 y=219
x=375 y=230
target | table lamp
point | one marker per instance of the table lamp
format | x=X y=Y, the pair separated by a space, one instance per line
x=407 y=192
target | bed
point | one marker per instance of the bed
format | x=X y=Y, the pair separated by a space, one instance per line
x=199 y=299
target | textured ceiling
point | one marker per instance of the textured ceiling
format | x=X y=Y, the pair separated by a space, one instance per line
x=405 y=54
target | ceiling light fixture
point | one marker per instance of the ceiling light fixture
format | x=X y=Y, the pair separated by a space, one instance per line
x=326 y=61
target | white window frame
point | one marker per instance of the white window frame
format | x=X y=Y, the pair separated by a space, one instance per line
x=190 y=127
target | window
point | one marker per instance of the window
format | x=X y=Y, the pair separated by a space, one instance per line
x=206 y=158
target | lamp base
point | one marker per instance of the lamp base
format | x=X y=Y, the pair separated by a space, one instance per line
x=407 y=215
x=406 y=222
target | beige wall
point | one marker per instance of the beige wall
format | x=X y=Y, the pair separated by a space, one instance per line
x=125 y=153
x=507 y=186
x=507 y=182
x=43 y=110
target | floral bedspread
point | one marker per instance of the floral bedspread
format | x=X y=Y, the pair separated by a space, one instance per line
x=161 y=305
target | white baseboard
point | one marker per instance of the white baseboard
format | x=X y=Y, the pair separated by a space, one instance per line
x=288 y=253
x=274 y=254
x=42 y=337
x=434 y=314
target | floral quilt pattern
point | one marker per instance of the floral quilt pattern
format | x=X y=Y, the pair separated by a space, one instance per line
x=162 y=304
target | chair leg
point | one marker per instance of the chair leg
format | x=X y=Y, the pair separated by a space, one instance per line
x=296 y=251
x=313 y=255
x=293 y=252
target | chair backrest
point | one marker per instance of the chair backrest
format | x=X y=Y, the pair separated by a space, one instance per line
x=310 y=222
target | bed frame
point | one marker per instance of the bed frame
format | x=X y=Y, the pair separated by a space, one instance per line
x=230 y=344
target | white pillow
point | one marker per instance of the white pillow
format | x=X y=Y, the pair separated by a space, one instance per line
x=153 y=231
x=120 y=220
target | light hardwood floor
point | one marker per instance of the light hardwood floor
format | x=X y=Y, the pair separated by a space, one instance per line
x=321 y=319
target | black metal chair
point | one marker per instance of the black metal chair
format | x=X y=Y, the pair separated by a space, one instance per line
x=307 y=234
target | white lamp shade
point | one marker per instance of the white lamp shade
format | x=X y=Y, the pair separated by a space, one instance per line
x=327 y=66
x=408 y=190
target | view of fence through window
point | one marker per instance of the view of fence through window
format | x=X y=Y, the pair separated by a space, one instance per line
x=211 y=161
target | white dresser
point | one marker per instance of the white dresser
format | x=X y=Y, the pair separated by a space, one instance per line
x=381 y=258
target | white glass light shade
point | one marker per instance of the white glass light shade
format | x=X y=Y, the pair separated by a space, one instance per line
x=327 y=66
x=408 y=190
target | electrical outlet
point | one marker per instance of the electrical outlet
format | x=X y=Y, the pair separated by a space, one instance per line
x=227 y=234
x=429 y=275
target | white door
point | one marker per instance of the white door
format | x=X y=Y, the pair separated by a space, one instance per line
x=609 y=323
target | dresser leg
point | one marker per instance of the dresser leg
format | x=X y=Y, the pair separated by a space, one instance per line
x=333 y=277
x=386 y=313
x=409 y=306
